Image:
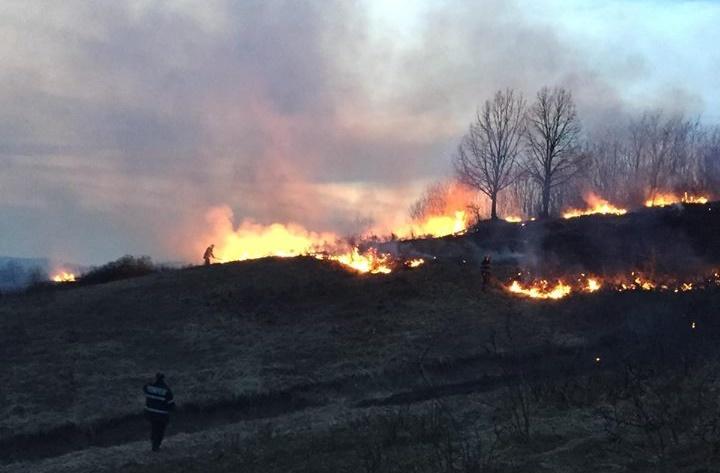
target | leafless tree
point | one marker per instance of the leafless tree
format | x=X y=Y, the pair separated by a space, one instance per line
x=432 y=201
x=553 y=132
x=487 y=154
x=665 y=152
x=444 y=198
x=609 y=166
x=710 y=160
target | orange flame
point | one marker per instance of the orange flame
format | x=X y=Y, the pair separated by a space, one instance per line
x=592 y=285
x=251 y=240
x=414 y=263
x=597 y=205
x=665 y=199
x=541 y=290
x=368 y=262
x=435 y=226
x=513 y=219
x=63 y=276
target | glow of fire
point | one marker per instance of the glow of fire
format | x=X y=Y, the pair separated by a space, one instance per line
x=63 y=276
x=541 y=290
x=368 y=262
x=665 y=199
x=414 y=263
x=513 y=219
x=592 y=285
x=597 y=205
x=251 y=240
x=435 y=226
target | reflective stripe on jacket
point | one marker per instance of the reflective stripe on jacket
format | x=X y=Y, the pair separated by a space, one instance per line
x=158 y=398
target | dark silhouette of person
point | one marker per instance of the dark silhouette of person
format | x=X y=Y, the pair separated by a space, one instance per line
x=485 y=272
x=209 y=254
x=158 y=404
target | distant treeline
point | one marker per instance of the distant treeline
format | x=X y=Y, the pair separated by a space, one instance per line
x=536 y=159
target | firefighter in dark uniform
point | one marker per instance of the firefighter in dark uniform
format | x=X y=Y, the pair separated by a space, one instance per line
x=485 y=272
x=158 y=404
x=209 y=254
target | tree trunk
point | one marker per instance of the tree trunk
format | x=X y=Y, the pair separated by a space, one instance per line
x=545 y=212
x=493 y=207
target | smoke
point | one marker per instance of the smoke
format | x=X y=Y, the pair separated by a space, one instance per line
x=123 y=123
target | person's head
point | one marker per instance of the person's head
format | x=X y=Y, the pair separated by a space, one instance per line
x=212 y=245
x=159 y=378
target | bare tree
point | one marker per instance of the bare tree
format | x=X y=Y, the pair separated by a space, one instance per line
x=710 y=160
x=432 y=201
x=487 y=154
x=443 y=198
x=665 y=152
x=553 y=131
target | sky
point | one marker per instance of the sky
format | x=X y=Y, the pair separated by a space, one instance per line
x=124 y=123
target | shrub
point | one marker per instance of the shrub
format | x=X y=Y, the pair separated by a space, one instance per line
x=123 y=268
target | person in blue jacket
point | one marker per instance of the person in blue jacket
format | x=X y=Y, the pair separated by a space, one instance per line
x=159 y=403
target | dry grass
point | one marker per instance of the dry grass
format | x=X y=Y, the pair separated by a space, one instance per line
x=266 y=339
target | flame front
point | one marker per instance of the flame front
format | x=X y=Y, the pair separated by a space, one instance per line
x=667 y=198
x=251 y=240
x=541 y=290
x=414 y=263
x=368 y=262
x=513 y=219
x=63 y=276
x=435 y=226
x=634 y=281
x=597 y=205
x=592 y=285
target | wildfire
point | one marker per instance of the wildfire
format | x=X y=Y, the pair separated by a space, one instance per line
x=368 y=262
x=597 y=205
x=63 y=276
x=592 y=285
x=665 y=199
x=541 y=289
x=513 y=219
x=634 y=281
x=435 y=226
x=414 y=263
x=251 y=240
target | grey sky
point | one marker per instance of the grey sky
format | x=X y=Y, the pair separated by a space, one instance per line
x=123 y=122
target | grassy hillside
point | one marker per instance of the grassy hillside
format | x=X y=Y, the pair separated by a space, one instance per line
x=299 y=365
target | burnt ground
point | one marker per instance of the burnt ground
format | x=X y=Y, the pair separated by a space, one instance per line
x=299 y=365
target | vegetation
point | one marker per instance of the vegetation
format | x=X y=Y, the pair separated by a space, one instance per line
x=535 y=160
x=297 y=365
x=122 y=268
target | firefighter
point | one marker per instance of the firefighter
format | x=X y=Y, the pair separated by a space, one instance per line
x=158 y=404
x=209 y=254
x=485 y=272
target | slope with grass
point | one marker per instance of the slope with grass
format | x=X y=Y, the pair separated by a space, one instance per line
x=298 y=365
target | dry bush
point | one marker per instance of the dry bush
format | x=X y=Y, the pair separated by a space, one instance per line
x=122 y=268
x=656 y=414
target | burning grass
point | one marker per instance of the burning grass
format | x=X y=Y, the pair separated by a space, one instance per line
x=596 y=205
x=251 y=240
x=634 y=281
x=63 y=276
x=369 y=262
x=667 y=198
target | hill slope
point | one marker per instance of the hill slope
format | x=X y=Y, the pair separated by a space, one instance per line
x=299 y=365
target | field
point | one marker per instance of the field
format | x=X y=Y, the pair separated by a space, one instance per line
x=298 y=365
